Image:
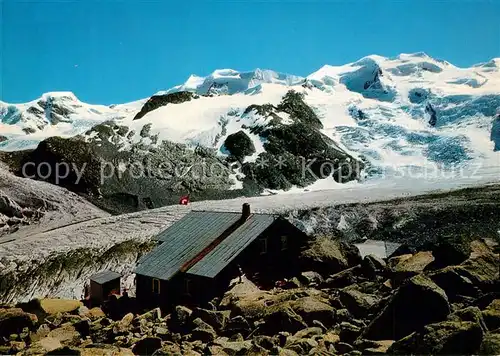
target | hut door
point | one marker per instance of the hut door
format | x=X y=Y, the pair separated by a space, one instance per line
x=156 y=286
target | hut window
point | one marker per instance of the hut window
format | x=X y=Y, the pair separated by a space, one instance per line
x=284 y=243
x=263 y=246
x=156 y=286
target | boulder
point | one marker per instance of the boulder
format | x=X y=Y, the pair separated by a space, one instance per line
x=308 y=333
x=14 y=320
x=170 y=349
x=162 y=333
x=301 y=346
x=417 y=303
x=182 y=315
x=103 y=334
x=65 y=351
x=454 y=284
x=125 y=323
x=54 y=306
x=236 y=337
x=217 y=319
x=345 y=278
x=92 y=314
x=359 y=304
x=215 y=350
x=265 y=342
x=146 y=346
x=319 y=324
x=42 y=331
x=491 y=315
x=394 y=261
x=349 y=332
x=66 y=335
x=412 y=266
x=322 y=350
x=313 y=308
x=486 y=299
x=373 y=265
x=203 y=331
x=451 y=251
x=310 y=277
x=282 y=319
x=343 y=348
x=373 y=347
x=490 y=345
x=327 y=256
x=330 y=338
x=469 y=314
x=239 y=291
x=286 y=352
x=44 y=345
x=343 y=315
x=238 y=324
x=483 y=271
x=234 y=347
x=152 y=315
x=444 y=338
x=110 y=350
x=83 y=327
x=17 y=346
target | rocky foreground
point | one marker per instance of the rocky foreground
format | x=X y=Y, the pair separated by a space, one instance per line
x=445 y=300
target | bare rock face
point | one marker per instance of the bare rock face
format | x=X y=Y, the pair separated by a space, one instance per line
x=495 y=133
x=24 y=202
x=9 y=207
x=157 y=101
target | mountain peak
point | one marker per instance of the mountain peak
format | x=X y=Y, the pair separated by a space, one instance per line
x=68 y=95
x=230 y=81
x=413 y=55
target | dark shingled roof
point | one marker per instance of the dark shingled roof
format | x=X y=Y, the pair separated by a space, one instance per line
x=183 y=241
x=229 y=249
x=198 y=223
x=104 y=277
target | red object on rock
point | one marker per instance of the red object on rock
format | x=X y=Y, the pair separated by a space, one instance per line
x=184 y=200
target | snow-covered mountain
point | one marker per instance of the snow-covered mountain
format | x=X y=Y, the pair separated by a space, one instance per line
x=412 y=112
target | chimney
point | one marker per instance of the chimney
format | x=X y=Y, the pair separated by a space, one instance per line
x=245 y=211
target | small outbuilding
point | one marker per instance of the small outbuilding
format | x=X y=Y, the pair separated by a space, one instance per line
x=199 y=255
x=103 y=284
x=382 y=249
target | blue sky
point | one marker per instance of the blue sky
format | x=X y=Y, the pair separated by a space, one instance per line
x=118 y=51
